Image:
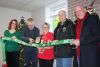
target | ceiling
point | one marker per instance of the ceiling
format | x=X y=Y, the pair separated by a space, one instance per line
x=26 y=5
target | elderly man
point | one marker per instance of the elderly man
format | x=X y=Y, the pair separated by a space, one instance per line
x=64 y=30
x=30 y=32
x=87 y=38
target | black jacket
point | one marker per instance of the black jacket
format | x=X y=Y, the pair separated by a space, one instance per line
x=65 y=31
x=89 y=39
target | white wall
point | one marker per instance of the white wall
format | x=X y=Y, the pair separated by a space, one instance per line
x=39 y=17
x=8 y=14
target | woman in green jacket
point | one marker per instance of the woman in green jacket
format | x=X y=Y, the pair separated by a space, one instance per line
x=12 y=48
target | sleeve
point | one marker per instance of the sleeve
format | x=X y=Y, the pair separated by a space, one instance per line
x=71 y=33
x=71 y=30
x=24 y=35
x=55 y=31
x=55 y=34
x=94 y=23
x=38 y=32
x=5 y=33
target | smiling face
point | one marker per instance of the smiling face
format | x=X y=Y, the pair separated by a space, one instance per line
x=80 y=12
x=45 y=28
x=13 y=25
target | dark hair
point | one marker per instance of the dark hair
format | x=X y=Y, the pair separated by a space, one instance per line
x=9 y=27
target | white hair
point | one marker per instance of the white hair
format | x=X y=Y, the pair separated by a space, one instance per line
x=62 y=11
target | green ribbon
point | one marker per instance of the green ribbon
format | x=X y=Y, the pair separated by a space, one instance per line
x=2 y=44
x=53 y=43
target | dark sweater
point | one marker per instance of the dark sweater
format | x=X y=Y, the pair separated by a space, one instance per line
x=65 y=31
x=27 y=33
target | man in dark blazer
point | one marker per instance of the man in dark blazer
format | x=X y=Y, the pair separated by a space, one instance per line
x=87 y=37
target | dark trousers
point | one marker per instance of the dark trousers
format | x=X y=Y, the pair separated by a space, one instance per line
x=75 y=61
x=30 y=57
x=12 y=59
x=45 y=63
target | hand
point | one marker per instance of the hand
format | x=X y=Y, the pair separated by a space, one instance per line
x=13 y=37
x=1 y=36
x=37 y=40
x=48 y=47
x=31 y=40
x=55 y=40
x=49 y=41
x=76 y=42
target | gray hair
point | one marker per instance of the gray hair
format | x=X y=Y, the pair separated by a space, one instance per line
x=47 y=24
x=62 y=11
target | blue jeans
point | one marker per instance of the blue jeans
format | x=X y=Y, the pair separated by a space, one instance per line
x=64 y=62
x=30 y=57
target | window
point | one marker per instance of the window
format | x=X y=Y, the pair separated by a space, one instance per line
x=51 y=13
